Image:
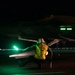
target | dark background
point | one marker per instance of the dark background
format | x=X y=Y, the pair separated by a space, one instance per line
x=35 y=19
x=11 y=11
x=32 y=20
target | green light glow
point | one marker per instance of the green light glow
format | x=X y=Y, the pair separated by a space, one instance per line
x=15 y=47
x=62 y=28
x=69 y=28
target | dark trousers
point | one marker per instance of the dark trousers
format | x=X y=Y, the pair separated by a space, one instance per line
x=39 y=62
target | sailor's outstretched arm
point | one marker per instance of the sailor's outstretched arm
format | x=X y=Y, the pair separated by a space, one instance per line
x=26 y=39
x=29 y=47
x=53 y=42
x=69 y=39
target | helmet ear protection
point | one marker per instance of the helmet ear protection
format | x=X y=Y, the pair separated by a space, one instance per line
x=40 y=40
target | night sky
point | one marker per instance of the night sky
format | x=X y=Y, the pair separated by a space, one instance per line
x=11 y=11
x=27 y=11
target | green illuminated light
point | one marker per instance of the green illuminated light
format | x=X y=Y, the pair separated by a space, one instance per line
x=15 y=47
x=65 y=26
x=69 y=28
x=62 y=28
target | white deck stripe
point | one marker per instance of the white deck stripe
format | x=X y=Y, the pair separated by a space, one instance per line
x=44 y=73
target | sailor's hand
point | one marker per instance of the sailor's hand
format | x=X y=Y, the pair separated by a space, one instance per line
x=56 y=40
x=19 y=37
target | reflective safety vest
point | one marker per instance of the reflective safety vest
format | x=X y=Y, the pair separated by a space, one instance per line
x=40 y=52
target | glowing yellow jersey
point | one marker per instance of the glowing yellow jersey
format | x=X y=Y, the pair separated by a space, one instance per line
x=40 y=52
